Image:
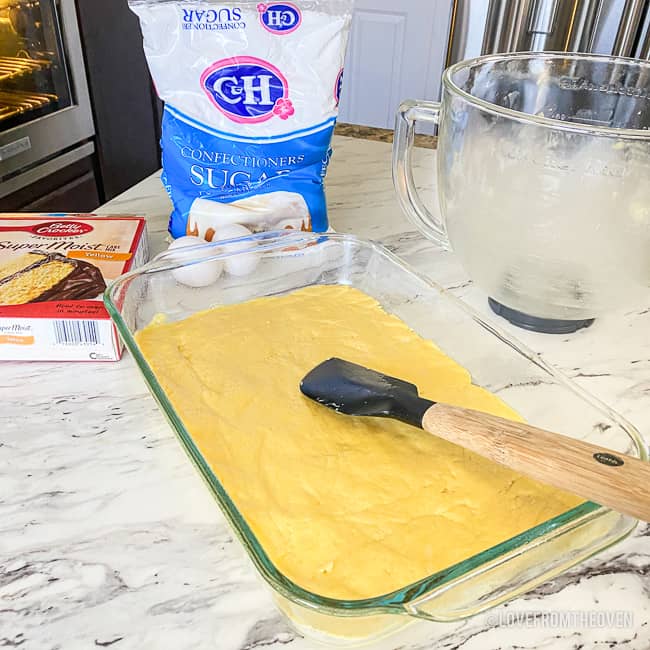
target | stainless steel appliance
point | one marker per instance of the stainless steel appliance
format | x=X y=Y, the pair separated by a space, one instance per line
x=616 y=27
x=46 y=120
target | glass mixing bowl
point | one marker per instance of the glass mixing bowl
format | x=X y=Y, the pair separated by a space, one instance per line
x=544 y=181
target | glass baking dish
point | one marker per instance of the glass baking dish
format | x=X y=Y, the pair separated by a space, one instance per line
x=290 y=260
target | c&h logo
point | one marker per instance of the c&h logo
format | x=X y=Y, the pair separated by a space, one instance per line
x=338 y=85
x=248 y=90
x=280 y=17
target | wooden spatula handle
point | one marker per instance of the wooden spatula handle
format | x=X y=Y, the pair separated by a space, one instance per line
x=615 y=480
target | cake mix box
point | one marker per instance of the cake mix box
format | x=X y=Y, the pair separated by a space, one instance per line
x=54 y=269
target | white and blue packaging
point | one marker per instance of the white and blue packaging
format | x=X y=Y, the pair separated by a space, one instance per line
x=251 y=93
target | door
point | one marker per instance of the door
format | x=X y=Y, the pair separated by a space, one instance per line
x=397 y=51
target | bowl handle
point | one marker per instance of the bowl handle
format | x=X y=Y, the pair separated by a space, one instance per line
x=408 y=113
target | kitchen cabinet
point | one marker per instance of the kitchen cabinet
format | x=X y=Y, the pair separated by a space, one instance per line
x=122 y=95
x=397 y=50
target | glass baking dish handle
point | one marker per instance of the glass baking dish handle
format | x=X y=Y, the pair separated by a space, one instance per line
x=524 y=569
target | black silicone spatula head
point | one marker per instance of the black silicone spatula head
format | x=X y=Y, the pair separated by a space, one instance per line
x=354 y=390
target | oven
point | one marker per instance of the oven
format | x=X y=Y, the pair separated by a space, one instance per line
x=46 y=121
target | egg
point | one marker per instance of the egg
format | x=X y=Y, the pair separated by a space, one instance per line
x=196 y=275
x=239 y=265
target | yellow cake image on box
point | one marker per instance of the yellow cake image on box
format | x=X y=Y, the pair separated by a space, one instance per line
x=345 y=507
x=39 y=277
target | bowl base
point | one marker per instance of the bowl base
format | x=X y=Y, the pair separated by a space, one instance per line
x=537 y=324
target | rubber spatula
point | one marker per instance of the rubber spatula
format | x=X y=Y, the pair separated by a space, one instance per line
x=601 y=475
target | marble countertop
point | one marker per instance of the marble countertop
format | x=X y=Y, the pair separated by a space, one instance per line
x=108 y=538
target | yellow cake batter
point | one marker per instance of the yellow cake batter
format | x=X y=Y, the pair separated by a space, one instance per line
x=345 y=507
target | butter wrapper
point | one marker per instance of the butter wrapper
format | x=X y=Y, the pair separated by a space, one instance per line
x=54 y=269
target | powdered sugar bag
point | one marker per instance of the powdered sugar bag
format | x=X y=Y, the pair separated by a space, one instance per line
x=251 y=94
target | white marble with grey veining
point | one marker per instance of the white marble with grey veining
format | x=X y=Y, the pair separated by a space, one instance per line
x=108 y=538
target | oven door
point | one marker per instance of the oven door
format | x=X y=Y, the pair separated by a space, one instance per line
x=44 y=103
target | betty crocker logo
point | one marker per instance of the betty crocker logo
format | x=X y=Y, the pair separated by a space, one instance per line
x=53 y=229
x=280 y=17
x=63 y=229
x=248 y=90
